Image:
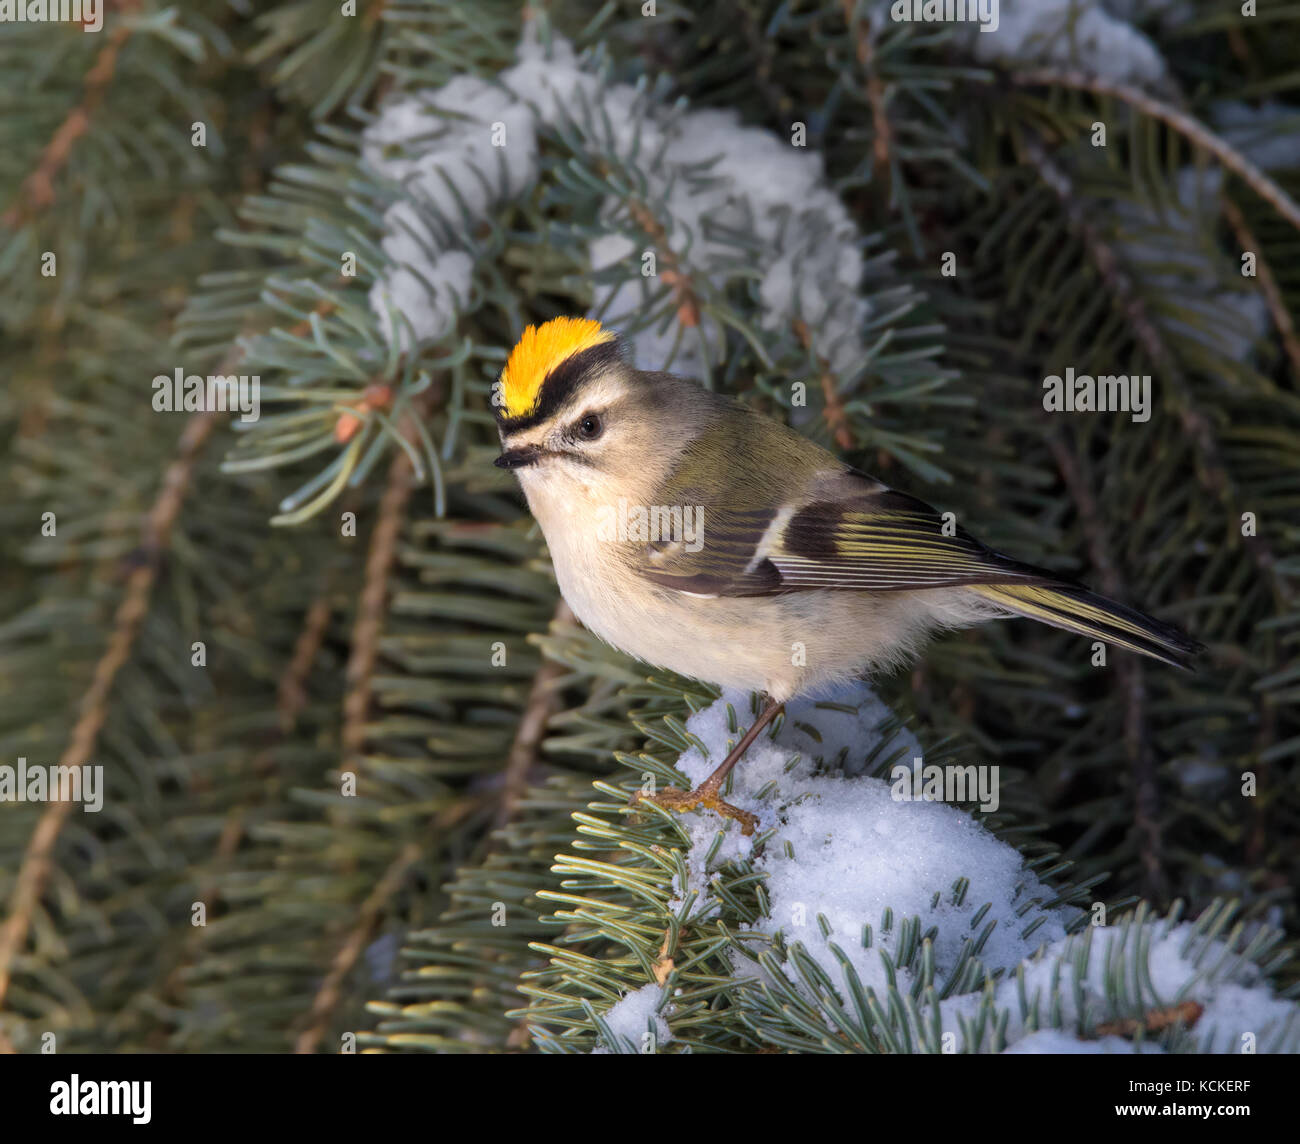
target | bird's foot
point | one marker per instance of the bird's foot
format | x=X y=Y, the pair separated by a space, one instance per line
x=671 y=798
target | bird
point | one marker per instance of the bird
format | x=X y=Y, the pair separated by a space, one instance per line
x=696 y=534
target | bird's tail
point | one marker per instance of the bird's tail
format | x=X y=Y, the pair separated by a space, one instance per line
x=1077 y=610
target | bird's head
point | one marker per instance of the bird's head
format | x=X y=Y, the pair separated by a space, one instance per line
x=574 y=416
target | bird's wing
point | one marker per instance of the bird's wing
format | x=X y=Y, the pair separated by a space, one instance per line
x=851 y=532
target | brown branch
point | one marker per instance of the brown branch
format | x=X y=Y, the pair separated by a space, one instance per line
x=833 y=410
x=664 y=964
x=688 y=302
x=330 y=995
x=366 y=633
x=37 y=863
x=232 y=832
x=543 y=701
x=1130 y=671
x=882 y=134
x=1186 y=125
x=1146 y=781
x=371 y=605
x=1185 y=1013
x=1258 y=835
x=1258 y=832
x=1137 y=742
x=1277 y=306
x=1079 y=487
x=291 y=695
x=37 y=191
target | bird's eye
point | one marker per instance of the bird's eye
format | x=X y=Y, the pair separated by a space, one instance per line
x=590 y=427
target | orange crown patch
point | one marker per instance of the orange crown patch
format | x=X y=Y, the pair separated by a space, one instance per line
x=540 y=350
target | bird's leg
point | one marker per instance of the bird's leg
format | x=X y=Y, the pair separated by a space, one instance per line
x=707 y=793
x=714 y=782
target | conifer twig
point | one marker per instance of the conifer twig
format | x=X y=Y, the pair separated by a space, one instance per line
x=292 y=691
x=1137 y=745
x=1079 y=486
x=1186 y=125
x=330 y=994
x=1185 y=1013
x=673 y=275
x=543 y=699
x=37 y=191
x=777 y=100
x=371 y=605
x=1146 y=781
x=833 y=409
x=1277 y=306
x=882 y=134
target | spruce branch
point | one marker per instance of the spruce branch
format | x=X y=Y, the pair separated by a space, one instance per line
x=761 y=47
x=330 y=995
x=291 y=698
x=833 y=406
x=1181 y=121
x=1277 y=306
x=541 y=704
x=1212 y=470
x=37 y=191
x=372 y=606
x=1079 y=483
x=38 y=860
x=673 y=274
x=1146 y=784
x=230 y=772
x=172 y=989
x=1137 y=744
x=291 y=694
x=864 y=44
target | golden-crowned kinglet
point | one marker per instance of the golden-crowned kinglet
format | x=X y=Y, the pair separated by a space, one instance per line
x=698 y=535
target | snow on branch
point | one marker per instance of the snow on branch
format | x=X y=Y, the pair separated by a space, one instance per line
x=893 y=923
x=723 y=203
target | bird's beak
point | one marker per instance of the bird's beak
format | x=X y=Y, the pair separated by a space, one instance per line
x=518 y=458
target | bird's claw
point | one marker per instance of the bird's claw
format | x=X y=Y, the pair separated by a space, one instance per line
x=671 y=798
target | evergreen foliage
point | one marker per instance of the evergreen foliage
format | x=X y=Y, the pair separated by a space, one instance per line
x=376 y=607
